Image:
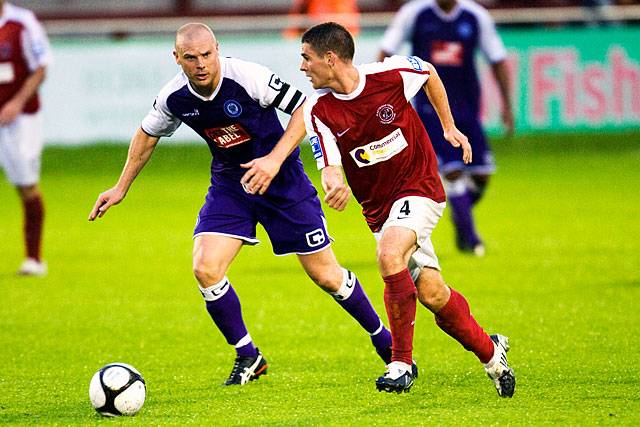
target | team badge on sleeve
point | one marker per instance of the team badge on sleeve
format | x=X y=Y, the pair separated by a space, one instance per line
x=415 y=63
x=316 y=148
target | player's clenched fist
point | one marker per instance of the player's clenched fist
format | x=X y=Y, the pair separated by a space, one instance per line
x=336 y=191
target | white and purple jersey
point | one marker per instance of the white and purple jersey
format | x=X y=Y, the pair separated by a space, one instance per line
x=238 y=121
x=449 y=42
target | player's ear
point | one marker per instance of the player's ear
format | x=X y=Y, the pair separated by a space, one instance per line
x=330 y=58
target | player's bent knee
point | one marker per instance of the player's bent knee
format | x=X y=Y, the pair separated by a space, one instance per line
x=390 y=261
x=207 y=274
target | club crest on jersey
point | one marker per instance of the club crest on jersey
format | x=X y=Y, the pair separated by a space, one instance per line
x=386 y=114
x=228 y=136
x=232 y=108
x=379 y=151
x=464 y=29
x=316 y=148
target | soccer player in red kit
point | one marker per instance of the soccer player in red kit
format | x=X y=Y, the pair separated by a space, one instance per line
x=24 y=56
x=360 y=118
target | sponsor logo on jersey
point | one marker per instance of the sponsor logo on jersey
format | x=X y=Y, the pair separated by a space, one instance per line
x=315 y=237
x=7 y=74
x=194 y=113
x=379 y=151
x=275 y=83
x=415 y=63
x=447 y=53
x=386 y=114
x=339 y=134
x=228 y=136
x=232 y=108
x=316 y=148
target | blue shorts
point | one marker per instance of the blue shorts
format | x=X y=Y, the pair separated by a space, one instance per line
x=449 y=157
x=293 y=226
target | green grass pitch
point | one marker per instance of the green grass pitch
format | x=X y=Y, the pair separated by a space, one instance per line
x=561 y=278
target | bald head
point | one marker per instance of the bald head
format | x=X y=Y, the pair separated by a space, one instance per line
x=196 y=51
x=193 y=33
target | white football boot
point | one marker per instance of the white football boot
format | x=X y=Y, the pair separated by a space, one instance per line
x=498 y=369
x=31 y=267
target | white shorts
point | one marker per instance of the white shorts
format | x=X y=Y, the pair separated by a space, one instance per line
x=421 y=215
x=21 y=145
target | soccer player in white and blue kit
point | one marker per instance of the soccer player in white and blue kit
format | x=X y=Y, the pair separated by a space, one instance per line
x=232 y=105
x=447 y=33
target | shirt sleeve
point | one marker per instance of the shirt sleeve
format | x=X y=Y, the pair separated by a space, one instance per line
x=490 y=42
x=160 y=121
x=323 y=142
x=35 y=44
x=414 y=72
x=265 y=86
x=400 y=29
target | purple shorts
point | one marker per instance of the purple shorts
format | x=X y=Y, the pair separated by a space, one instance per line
x=293 y=226
x=449 y=157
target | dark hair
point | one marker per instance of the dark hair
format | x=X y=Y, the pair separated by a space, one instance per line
x=330 y=37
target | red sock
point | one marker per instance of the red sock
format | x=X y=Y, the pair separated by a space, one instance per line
x=33 y=219
x=456 y=320
x=400 y=302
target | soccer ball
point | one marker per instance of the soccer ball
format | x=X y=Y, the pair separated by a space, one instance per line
x=117 y=389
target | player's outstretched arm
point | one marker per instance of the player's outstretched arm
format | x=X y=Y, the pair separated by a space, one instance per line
x=335 y=189
x=438 y=97
x=262 y=170
x=140 y=150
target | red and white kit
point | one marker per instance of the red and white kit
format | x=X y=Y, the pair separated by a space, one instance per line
x=24 y=48
x=377 y=136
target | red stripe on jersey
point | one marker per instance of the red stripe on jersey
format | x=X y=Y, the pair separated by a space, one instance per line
x=413 y=70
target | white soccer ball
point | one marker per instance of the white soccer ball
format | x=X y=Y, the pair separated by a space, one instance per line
x=117 y=389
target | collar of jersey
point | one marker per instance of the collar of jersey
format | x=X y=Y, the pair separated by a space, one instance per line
x=215 y=92
x=451 y=16
x=357 y=91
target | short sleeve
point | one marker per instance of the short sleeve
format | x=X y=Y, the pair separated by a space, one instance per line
x=323 y=142
x=490 y=42
x=414 y=72
x=160 y=121
x=400 y=29
x=263 y=85
x=35 y=44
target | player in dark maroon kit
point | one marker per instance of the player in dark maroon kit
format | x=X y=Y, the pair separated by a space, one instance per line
x=361 y=118
x=24 y=56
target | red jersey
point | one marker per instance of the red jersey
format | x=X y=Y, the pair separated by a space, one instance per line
x=377 y=136
x=24 y=47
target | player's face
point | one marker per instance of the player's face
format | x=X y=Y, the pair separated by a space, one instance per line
x=199 y=60
x=315 y=67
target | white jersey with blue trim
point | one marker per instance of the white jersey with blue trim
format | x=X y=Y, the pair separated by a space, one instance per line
x=238 y=121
